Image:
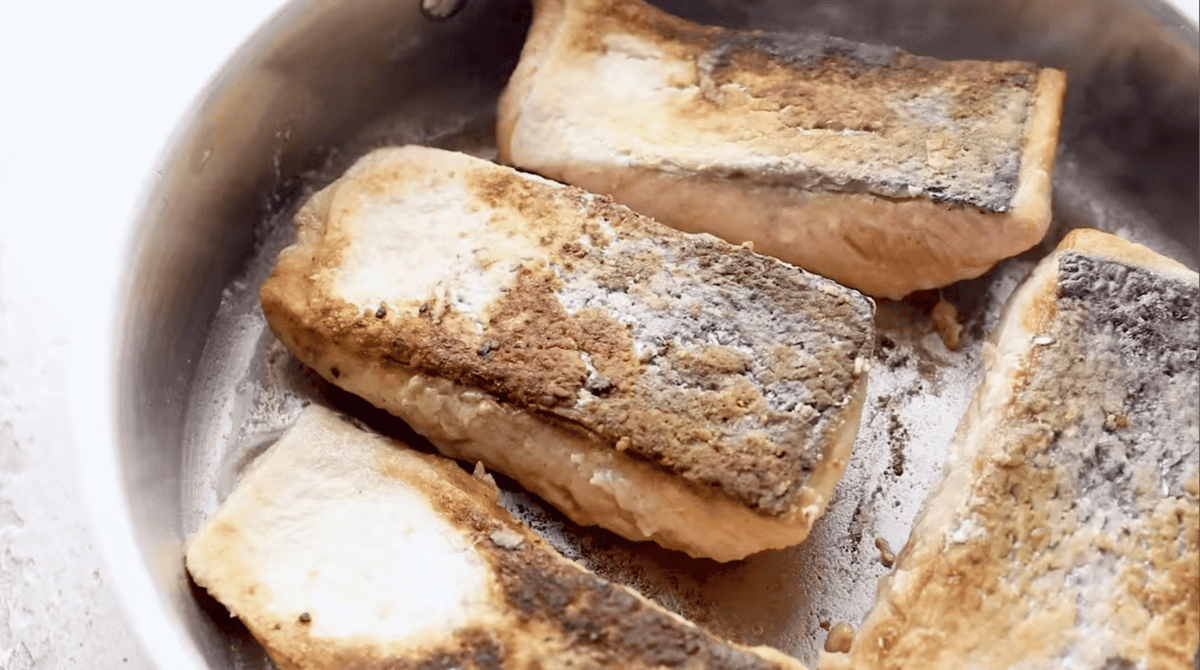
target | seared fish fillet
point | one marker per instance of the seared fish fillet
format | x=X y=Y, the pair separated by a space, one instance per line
x=665 y=386
x=1064 y=534
x=885 y=171
x=343 y=550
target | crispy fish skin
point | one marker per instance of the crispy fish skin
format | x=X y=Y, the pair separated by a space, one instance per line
x=341 y=549
x=885 y=171
x=1064 y=532
x=666 y=386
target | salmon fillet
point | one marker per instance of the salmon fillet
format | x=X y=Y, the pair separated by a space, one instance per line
x=665 y=386
x=341 y=549
x=885 y=171
x=1064 y=532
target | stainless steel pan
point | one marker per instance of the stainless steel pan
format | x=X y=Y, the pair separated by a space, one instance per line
x=200 y=385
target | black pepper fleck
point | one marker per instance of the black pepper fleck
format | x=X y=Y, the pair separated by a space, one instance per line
x=381 y=312
x=305 y=617
x=488 y=347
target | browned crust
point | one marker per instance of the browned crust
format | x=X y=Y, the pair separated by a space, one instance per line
x=527 y=356
x=812 y=66
x=991 y=597
x=606 y=623
x=810 y=82
x=599 y=623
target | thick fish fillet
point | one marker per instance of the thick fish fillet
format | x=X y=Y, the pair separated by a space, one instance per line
x=1064 y=534
x=665 y=386
x=885 y=171
x=343 y=550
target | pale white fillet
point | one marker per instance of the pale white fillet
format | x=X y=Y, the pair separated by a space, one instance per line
x=341 y=549
x=1064 y=534
x=885 y=171
x=666 y=386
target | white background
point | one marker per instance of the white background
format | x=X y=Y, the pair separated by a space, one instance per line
x=89 y=94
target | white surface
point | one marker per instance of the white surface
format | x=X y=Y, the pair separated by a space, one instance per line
x=317 y=492
x=90 y=93
x=1189 y=8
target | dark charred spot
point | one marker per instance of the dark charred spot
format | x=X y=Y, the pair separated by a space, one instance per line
x=487 y=656
x=476 y=650
x=897 y=439
x=599 y=385
x=573 y=249
x=611 y=621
